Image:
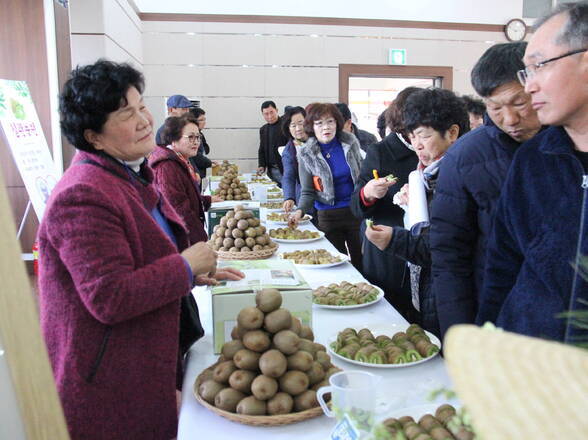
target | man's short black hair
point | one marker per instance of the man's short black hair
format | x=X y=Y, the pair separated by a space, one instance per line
x=266 y=104
x=197 y=111
x=90 y=94
x=473 y=105
x=287 y=118
x=498 y=66
x=435 y=108
x=344 y=109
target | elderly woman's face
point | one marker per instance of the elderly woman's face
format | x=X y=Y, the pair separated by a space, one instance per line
x=325 y=128
x=127 y=133
x=430 y=144
x=189 y=143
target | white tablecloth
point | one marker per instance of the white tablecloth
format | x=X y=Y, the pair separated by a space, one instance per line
x=401 y=387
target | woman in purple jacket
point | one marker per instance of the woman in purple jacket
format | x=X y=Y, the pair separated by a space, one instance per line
x=176 y=178
x=115 y=264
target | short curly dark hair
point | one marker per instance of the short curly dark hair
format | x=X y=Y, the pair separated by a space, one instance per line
x=90 y=94
x=173 y=126
x=317 y=110
x=435 y=108
x=473 y=105
x=395 y=111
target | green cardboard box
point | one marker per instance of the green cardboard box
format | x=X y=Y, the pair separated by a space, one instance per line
x=228 y=300
x=216 y=213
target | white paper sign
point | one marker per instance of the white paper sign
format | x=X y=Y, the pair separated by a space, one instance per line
x=24 y=134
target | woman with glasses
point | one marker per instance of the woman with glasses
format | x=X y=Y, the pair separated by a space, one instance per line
x=329 y=164
x=293 y=128
x=175 y=176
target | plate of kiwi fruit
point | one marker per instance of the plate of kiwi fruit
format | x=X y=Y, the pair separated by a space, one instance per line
x=346 y=295
x=268 y=374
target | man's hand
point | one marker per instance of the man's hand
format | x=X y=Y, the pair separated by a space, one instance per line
x=260 y=170
x=377 y=188
x=379 y=235
x=288 y=205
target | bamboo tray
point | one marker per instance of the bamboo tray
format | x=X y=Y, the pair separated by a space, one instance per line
x=253 y=255
x=284 y=419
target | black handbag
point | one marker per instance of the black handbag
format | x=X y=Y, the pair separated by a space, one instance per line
x=190 y=328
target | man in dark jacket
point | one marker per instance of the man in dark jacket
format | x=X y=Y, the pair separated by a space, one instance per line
x=539 y=238
x=470 y=181
x=365 y=138
x=393 y=155
x=270 y=138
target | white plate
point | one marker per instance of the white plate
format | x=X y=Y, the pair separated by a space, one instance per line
x=344 y=259
x=388 y=330
x=354 y=306
x=304 y=221
x=304 y=240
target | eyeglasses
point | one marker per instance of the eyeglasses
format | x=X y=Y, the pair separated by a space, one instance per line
x=192 y=138
x=297 y=124
x=531 y=70
x=319 y=124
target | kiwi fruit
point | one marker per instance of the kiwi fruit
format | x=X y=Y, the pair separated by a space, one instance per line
x=228 y=399
x=322 y=383
x=230 y=348
x=256 y=340
x=324 y=359
x=242 y=224
x=250 y=242
x=252 y=407
x=250 y=318
x=306 y=345
x=241 y=380
x=319 y=347
x=264 y=387
x=222 y=371
x=296 y=325
x=294 y=382
x=237 y=332
x=316 y=373
x=246 y=360
x=277 y=320
x=209 y=389
x=301 y=360
x=232 y=223
x=305 y=401
x=332 y=371
x=268 y=300
x=306 y=333
x=273 y=363
x=206 y=375
x=286 y=341
x=281 y=403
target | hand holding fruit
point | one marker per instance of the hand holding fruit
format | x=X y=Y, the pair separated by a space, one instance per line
x=288 y=205
x=379 y=235
x=377 y=188
x=401 y=197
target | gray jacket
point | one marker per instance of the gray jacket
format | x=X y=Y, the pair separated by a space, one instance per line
x=312 y=163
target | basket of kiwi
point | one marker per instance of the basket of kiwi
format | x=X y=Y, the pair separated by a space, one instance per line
x=268 y=374
x=240 y=236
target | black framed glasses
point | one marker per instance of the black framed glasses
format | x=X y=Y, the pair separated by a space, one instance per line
x=531 y=70
x=192 y=138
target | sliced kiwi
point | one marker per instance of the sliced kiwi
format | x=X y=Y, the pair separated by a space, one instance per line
x=273 y=363
x=277 y=320
x=281 y=403
x=286 y=341
x=250 y=318
x=251 y=406
x=247 y=360
x=241 y=380
x=228 y=399
x=305 y=401
x=256 y=340
x=268 y=300
x=294 y=382
x=223 y=371
x=209 y=389
x=264 y=387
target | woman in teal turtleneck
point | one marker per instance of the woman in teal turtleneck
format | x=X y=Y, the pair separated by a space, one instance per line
x=329 y=165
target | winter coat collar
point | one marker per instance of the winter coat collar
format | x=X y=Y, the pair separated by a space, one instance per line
x=115 y=167
x=396 y=147
x=556 y=140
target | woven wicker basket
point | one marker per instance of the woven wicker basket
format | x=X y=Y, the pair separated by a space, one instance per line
x=285 y=419
x=253 y=255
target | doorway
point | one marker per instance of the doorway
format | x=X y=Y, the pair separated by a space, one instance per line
x=369 y=89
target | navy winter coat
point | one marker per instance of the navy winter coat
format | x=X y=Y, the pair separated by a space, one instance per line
x=470 y=180
x=290 y=179
x=541 y=224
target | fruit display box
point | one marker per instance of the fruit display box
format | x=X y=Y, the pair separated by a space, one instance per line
x=215 y=213
x=229 y=298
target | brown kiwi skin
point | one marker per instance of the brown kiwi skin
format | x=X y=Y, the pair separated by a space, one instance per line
x=296 y=325
x=241 y=380
x=237 y=332
x=256 y=340
x=250 y=318
x=316 y=373
x=264 y=387
x=209 y=389
x=223 y=371
x=286 y=341
x=228 y=399
x=306 y=333
x=273 y=363
x=252 y=407
x=281 y=403
x=294 y=382
x=308 y=346
x=277 y=320
x=305 y=400
x=301 y=360
x=268 y=300
x=322 y=383
x=324 y=359
x=231 y=347
x=246 y=360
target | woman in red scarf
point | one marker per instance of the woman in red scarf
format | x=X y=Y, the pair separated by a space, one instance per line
x=175 y=176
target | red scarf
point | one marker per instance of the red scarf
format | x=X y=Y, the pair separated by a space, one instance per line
x=195 y=176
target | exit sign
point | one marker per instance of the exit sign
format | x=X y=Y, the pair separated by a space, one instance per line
x=397 y=56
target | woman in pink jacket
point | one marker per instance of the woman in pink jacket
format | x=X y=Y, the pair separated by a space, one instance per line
x=115 y=263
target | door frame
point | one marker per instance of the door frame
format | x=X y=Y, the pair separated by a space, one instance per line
x=346 y=71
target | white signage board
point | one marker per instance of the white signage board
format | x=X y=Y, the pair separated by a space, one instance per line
x=24 y=134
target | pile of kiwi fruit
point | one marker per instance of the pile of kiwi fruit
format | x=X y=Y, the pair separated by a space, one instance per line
x=231 y=188
x=228 y=166
x=240 y=231
x=272 y=366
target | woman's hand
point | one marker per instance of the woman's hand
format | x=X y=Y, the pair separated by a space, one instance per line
x=216 y=199
x=227 y=273
x=377 y=188
x=379 y=235
x=201 y=258
x=401 y=197
x=288 y=205
x=294 y=218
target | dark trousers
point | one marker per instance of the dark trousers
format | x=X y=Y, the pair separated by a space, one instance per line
x=341 y=228
x=274 y=173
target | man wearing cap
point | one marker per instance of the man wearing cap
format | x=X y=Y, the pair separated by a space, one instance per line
x=470 y=180
x=365 y=138
x=177 y=105
x=539 y=242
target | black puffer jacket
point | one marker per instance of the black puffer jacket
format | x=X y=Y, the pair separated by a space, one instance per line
x=389 y=156
x=470 y=180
